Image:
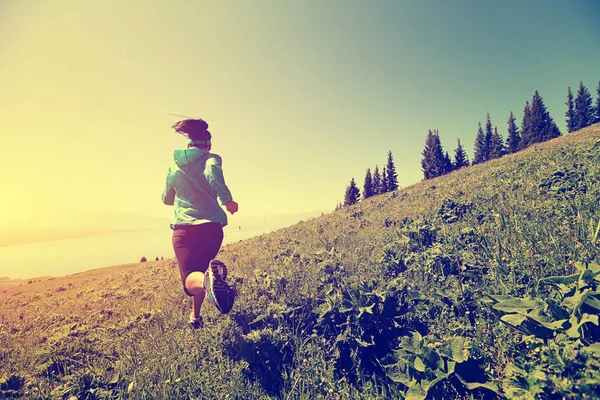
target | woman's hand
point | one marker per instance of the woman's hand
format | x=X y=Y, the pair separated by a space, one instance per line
x=232 y=207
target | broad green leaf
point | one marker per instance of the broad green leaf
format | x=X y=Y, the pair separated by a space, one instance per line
x=475 y=385
x=593 y=266
x=588 y=318
x=428 y=385
x=546 y=321
x=455 y=349
x=400 y=378
x=419 y=366
x=513 y=319
x=412 y=343
x=564 y=280
x=501 y=298
x=573 y=331
x=593 y=300
x=517 y=304
x=415 y=392
x=593 y=348
x=560 y=324
x=587 y=276
x=451 y=366
x=573 y=302
x=431 y=357
x=362 y=310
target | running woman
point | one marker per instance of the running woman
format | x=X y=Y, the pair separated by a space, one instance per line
x=197 y=189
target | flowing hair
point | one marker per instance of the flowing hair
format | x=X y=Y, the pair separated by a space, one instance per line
x=193 y=129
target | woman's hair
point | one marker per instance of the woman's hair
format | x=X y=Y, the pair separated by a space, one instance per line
x=193 y=129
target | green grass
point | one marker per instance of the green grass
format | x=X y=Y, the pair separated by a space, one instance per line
x=399 y=295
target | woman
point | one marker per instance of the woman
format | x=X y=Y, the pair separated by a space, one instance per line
x=197 y=189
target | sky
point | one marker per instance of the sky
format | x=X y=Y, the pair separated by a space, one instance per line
x=300 y=96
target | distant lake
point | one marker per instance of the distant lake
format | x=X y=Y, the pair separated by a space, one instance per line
x=64 y=257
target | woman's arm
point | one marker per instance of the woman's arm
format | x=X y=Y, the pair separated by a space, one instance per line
x=168 y=196
x=214 y=176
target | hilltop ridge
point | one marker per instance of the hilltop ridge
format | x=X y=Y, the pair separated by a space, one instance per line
x=399 y=295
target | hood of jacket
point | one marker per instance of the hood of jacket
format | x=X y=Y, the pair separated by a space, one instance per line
x=188 y=156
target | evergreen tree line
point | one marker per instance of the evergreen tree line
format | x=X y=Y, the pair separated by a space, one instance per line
x=536 y=126
x=582 y=112
x=375 y=183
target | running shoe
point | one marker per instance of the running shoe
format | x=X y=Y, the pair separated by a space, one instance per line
x=195 y=323
x=220 y=294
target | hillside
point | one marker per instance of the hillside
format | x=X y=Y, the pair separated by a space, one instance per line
x=438 y=290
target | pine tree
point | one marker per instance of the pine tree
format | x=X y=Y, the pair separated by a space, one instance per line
x=526 y=133
x=479 y=151
x=383 y=188
x=597 y=119
x=488 y=138
x=368 y=185
x=514 y=139
x=542 y=125
x=498 y=149
x=570 y=114
x=584 y=111
x=460 y=157
x=352 y=194
x=376 y=181
x=448 y=167
x=433 y=162
x=392 y=176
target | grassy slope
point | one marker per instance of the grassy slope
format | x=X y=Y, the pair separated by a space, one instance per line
x=120 y=331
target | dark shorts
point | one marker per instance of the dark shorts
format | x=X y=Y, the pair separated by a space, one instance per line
x=195 y=246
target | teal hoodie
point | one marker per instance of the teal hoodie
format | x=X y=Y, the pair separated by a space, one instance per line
x=194 y=182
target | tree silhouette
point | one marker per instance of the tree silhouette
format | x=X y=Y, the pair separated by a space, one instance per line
x=460 y=157
x=433 y=162
x=570 y=114
x=497 y=147
x=391 y=176
x=368 y=185
x=597 y=116
x=376 y=181
x=448 y=166
x=488 y=138
x=542 y=124
x=352 y=194
x=480 y=150
x=384 y=180
x=538 y=126
x=584 y=111
x=526 y=126
x=514 y=138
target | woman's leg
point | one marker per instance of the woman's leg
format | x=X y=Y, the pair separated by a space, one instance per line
x=194 y=285
x=194 y=248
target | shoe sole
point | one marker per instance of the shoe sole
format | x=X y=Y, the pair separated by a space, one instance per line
x=219 y=269
x=195 y=325
x=219 y=293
